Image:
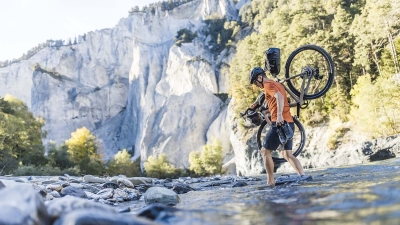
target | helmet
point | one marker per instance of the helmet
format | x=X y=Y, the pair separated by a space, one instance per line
x=254 y=74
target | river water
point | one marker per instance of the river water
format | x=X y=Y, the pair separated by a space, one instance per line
x=358 y=194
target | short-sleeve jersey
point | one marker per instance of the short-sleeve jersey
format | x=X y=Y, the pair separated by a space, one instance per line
x=271 y=87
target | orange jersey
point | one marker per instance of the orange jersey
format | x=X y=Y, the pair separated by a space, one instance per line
x=271 y=87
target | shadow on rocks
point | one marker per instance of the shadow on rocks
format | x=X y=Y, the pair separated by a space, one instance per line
x=157 y=212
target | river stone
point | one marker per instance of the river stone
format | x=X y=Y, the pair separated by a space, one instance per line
x=118 y=193
x=140 y=180
x=54 y=187
x=382 y=155
x=55 y=194
x=74 y=181
x=239 y=184
x=142 y=188
x=62 y=206
x=49 y=197
x=46 y=182
x=55 y=179
x=84 y=217
x=124 y=182
x=112 y=185
x=62 y=178
x=124 y=210
x=133 y=194
x=106 y=193
x=90 y=195
x=182 y=188
x=107 y=202
x=161 y=195
x=212 y=184
x=73 y=191
x=22 y=205
x=90 y=188
x=93 y=179
x=113 y=179
x=168 y=185
x=2 y=185
x=80 y=186
x=157 y=212
x=21 y=180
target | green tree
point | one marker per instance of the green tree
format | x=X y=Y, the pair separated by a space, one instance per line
x=82 y=149
x=375 y=106
x=58 y=156
x=160 y=167
x=209 y=162
x=20 y=135
x=122 y=164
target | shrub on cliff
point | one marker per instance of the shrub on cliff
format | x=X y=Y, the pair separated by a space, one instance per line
x=122 y=164
x=159 y=167
x=209 y=162
x=184 y=36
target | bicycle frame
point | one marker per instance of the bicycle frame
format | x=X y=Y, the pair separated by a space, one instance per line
x=306 y=83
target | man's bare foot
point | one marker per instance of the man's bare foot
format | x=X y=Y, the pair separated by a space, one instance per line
x=271 y=184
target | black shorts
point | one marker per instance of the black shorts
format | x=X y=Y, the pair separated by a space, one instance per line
x=271 y=140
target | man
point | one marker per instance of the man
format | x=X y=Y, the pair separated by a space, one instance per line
x=278 y=105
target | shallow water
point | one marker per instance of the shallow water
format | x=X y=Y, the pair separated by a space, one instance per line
x=358 y=194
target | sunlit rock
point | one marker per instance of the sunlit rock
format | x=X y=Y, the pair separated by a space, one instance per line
x=161 y=195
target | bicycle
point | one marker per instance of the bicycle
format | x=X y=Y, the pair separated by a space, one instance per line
x=311 y=66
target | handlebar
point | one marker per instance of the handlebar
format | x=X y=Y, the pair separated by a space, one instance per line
x=245 y=112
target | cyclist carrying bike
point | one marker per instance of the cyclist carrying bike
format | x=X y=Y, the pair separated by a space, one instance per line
x=278 y=106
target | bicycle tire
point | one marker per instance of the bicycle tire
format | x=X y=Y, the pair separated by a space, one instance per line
x=299 y=132
x=292 y=68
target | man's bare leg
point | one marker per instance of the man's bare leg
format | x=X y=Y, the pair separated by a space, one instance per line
x=287 y=154
x=269 y=166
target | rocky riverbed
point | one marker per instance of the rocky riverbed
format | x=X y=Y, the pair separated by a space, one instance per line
x=357 y=194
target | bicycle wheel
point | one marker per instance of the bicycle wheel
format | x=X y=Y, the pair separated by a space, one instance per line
x=299 y=140
x=314 y=63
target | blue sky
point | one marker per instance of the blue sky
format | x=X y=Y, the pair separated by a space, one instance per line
x=26 y=23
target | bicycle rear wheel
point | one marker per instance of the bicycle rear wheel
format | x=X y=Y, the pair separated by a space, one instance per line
x=299 y=140
x=314 y=63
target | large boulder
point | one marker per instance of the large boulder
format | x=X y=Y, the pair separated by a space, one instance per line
x=161 y=195
x=22 y=205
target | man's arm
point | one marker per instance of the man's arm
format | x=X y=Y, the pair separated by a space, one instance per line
x=279 y=103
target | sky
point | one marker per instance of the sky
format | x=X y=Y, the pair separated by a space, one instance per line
x=26 y=23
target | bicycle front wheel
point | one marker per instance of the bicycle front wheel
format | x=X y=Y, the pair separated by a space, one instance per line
x=313 y=65
x=299 y=140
